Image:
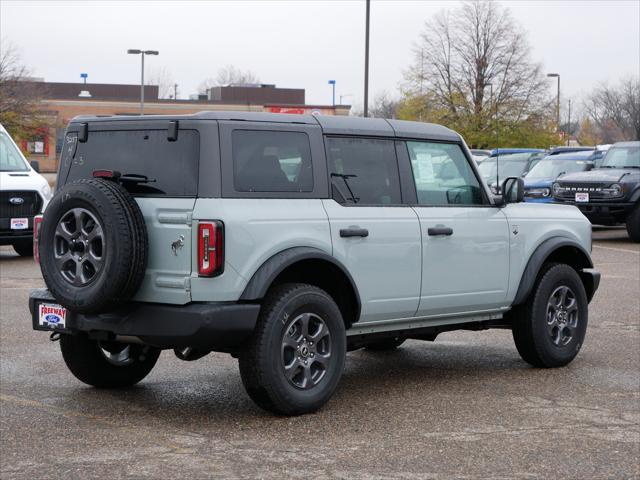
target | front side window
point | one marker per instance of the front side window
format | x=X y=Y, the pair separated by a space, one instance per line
x=10 y=158
x=363 y=171
x=442 y=175
x=266 y=161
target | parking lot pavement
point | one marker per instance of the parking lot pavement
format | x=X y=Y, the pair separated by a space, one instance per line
x=464 y=406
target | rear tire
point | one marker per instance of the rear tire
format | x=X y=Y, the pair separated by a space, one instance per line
x=295 y=357
x=633 y=224
x=24 y=248
x=549 y=329
x=107 y=364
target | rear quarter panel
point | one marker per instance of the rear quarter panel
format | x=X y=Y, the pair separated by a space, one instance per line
x=255 y=230
x=530 y=224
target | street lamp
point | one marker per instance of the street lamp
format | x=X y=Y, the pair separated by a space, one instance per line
x=557 y=75
x=366 y=59
x=142 y=53
x=333 y=84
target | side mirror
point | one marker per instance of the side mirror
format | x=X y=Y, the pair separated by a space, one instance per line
x=590 y=165
x=513 y=190
x=35 y=165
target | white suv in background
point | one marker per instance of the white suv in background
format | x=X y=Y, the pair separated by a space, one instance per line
x=24 y=193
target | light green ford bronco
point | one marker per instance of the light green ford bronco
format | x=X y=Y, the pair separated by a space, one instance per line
x=288 y=240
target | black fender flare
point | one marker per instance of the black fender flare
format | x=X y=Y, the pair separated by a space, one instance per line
x=271 y=268
x=538 y=258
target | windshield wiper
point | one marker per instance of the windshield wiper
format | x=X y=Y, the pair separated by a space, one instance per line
x=346 y=177
x=136 y=178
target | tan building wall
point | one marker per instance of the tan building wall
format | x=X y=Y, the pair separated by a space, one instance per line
x=47 y=148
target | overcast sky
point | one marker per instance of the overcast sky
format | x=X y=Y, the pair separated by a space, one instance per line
x=301 y=43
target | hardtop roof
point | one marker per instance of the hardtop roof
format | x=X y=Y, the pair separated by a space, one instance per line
x=330 y=124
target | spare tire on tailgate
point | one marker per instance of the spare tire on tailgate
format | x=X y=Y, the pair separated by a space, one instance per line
x=93 y=246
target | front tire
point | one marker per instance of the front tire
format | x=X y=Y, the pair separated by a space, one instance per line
x=24 y=248
x=107 y=364
x=294 y=360
x=549 y=329
x=633 y=224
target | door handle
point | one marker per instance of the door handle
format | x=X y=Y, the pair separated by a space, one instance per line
x=354 y=232
x=433 y=231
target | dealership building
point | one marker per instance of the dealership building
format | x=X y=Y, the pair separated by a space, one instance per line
x=63 y=101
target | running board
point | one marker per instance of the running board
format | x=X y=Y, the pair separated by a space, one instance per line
x=363 y=328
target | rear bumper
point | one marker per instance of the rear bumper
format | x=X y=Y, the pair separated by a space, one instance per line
x=210 y=326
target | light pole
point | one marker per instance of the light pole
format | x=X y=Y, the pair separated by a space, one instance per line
x=366 y=62
x=569 y=125
x=333 y=84
x=142 y=53
x=557 y=75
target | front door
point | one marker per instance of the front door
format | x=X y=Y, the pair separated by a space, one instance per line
x=465 y=240
x=373 y=234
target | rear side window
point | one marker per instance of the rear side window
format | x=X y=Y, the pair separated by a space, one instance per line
x=170 y=167
x=269 y=161
x=363 y=171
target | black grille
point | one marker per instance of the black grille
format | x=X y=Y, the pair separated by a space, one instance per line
x=593 y=189
x=30 y=206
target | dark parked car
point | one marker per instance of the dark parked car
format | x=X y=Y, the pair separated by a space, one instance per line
x=538 y=181
x=508 y=151
x=608 y=195
x=495 y=169
x=561 y=150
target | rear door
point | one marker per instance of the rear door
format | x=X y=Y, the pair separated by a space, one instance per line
x=465 y=240
x=373 y=234
x=166 y=197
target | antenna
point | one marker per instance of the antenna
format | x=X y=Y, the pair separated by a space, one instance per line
x=498 y=152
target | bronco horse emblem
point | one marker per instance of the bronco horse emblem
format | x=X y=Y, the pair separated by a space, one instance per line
x=177 y=245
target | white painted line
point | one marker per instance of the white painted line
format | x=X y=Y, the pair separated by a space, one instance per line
x=618 y=249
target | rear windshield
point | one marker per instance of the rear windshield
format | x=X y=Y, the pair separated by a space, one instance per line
x=171 y=168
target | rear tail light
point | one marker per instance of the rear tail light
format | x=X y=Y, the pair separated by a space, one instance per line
x=37 y=220
x=210 y=248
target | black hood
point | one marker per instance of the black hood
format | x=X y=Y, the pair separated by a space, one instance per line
x=605 y=175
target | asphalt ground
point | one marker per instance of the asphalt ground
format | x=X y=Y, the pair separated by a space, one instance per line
x=465 y=406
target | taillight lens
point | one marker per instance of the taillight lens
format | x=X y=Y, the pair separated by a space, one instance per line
x=37 y=220
x=210 y=248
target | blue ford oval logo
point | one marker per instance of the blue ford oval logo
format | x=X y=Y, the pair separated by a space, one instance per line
x=52 y=318
x=16 y=200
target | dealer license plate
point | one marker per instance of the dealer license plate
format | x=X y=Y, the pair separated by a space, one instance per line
x=582 y=197
x=52 y=315
x=19 y=223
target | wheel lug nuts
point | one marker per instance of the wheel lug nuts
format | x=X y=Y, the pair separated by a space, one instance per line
x=305 y=362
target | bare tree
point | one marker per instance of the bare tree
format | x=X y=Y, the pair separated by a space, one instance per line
x=19 y=97
x=384 y=106
x=616 y=110
x=226 y=76
x=466 y=53
x=162 y=77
